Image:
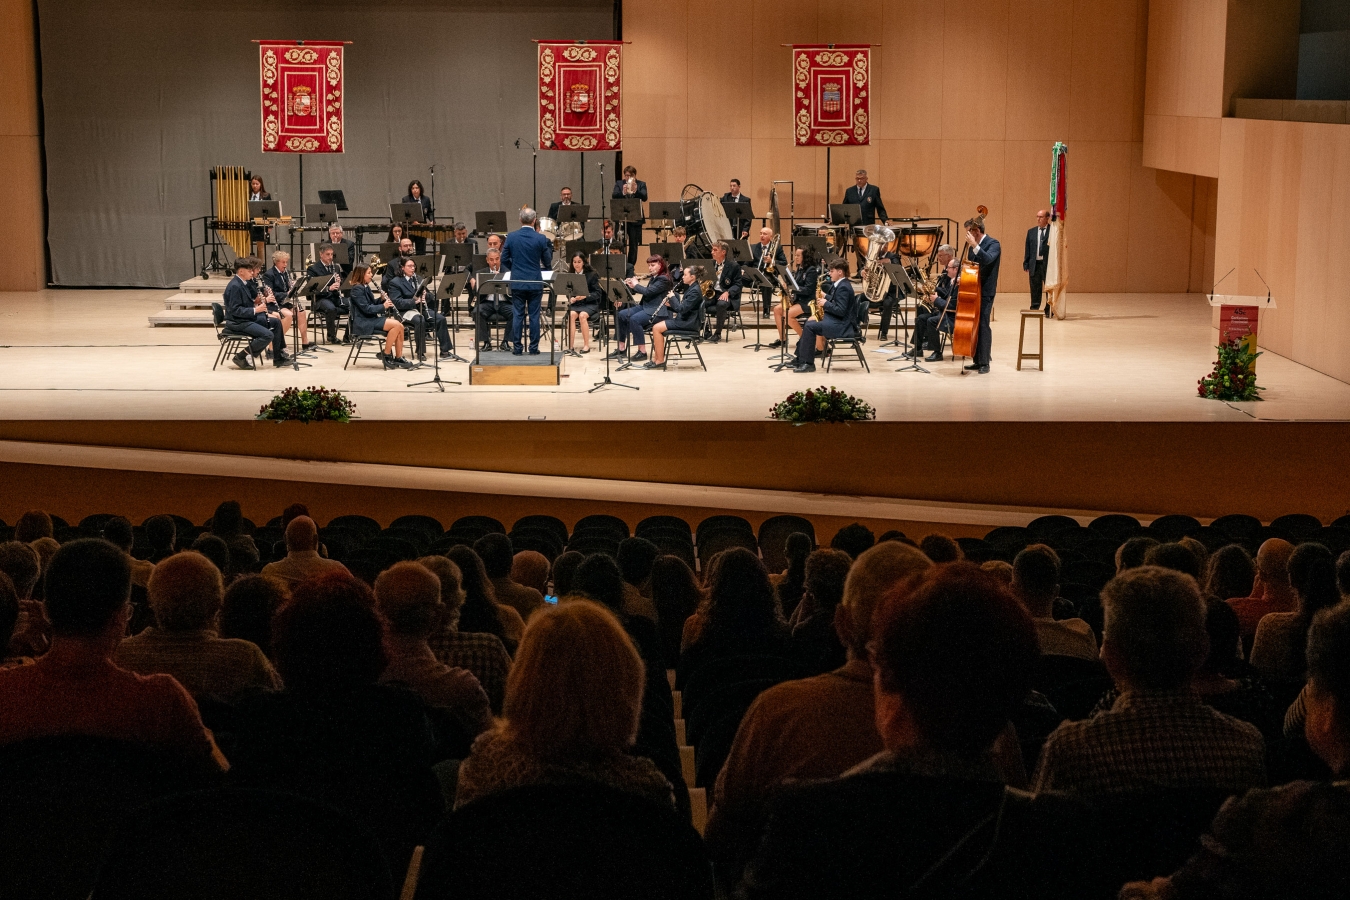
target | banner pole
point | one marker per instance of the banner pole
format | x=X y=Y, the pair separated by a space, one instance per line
x=301 y=158
x=583 y=176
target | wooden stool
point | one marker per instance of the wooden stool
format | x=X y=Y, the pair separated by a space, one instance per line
x=1039 y=355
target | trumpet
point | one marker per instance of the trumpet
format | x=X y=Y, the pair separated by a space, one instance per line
x=630 y=186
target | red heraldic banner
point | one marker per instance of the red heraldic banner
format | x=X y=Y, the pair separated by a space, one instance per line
x=579 y=95
x=830 y=94
x=301 y=96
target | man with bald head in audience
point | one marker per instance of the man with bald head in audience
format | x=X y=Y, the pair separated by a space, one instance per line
x=302 y=561
x=1272 y=591
x=812 y=728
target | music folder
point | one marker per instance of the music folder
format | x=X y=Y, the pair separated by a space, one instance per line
x=407 y=213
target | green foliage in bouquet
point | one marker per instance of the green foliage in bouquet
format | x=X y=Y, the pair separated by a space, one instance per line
x=822 y=405
x=1234 y=377
x=313 y=404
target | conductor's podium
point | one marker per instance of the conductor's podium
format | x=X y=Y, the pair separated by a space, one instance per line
x=498 y=367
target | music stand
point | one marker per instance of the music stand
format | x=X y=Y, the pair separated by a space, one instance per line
x=456 y=256
x=669 y=212
x=325 y=213
x=406 y=213
x=436 y=356
x=342 y=254
x=739 y=210
x=755 y=280
x=615 y=292
x=740 y=251
x=574 y=212
x=609 y=265
x=628 y=209
x=388 y=250
x=425 y=266
x=569 y=285
x=901 y=281
x=264 y=209
x=333 y=197
x=490 y=221
x=672 y=253
x=849 y=214
x=586 y=248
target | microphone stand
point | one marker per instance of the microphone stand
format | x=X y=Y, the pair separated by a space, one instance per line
x=534 y=164
x=604 y=320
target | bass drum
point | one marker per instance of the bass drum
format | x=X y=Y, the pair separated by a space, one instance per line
x=715 y=221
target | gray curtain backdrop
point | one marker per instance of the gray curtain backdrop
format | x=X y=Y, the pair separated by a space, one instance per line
x=142 y=97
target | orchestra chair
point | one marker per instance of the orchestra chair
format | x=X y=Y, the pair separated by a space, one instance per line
x=231 y=342
x=676 y=341
x=362 y=342
x=854 y=339
x=1039 y=355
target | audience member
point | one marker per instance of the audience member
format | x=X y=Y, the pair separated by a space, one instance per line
x=1343 y=574
x=635 y=559
x=1271 y=591
x=573 y=701
x=1199 y=550
x=1130 y=555
x=815 y=644
x=247 y=610
x=9 y=618
x=1288 y=841
x=599 y=579
x=1000 y=570
x=929 y=815
x=293 y=512
x=740 y=616
x=45 y=548
x=564 y=570
x=1230 y=574
x=481 y=612
x=940 y=548
x=32 y=525
x=1159 y=733
x=894 y=534
x=816 y=727
x=409 y=597
x=1175 y=556
x=792 y=583
x=1035 y=583
x=161 y=533
x=76 y=688
x=117 y=531
x=483 y=655
x=497 y=555
x=530 y=568
x=853 y=539
x=227 y=523
x=1281 y=638
x=676 y=594
x=214 y=549
x=20 y=562
x=302 y=560
x=185 y=595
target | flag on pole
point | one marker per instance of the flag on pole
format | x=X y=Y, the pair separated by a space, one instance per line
x=831 y=88
x=579 y=92
x=301 y=96
x=1056 y=286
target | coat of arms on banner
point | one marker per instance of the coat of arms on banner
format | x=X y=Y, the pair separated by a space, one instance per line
x=831 y=87
x=302 y=85
x=579 y=95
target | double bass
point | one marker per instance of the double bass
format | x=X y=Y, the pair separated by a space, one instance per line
x=966 y=325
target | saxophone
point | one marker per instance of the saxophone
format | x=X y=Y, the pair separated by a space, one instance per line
x=818 y=304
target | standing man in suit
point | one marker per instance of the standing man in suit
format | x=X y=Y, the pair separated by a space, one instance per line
x=629 y=188
x=841 y=317
x=985 y=252
x=1037 y=257
x=868 y=196
x=566 y=200
x=739 y=227
x=526 y=255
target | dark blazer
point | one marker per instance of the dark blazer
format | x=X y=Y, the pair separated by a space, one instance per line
x=870 y=201
x=987 y=257
x=366 y=310
x=841 y=303
x=263 y=196
x=526 y=254
x=350 y=254
x=426 y=205
x=684 y=307
x=279 y=282
x=740 y=225
x=806 y=286
x=757 y=251
x=652 y=292
x=317 y=269
x=730 y=280
x=595 y=295
x=640 y=195
x=1029 y=256
x=239 y=303
x=402 y=290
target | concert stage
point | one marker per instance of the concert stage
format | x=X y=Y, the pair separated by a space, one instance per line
x=101 y=410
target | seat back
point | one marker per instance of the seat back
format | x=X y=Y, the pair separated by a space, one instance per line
x=773 y=535
x=218 y=317
x=714 y=674
x=564 y=842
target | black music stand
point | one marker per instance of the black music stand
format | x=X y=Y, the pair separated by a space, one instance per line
x=436 y=357
x=740 y=251
x=342 y=254
x=388 y=250
x=322 y=213
x=819 y=246
x=490 y=221
x=334 y=197
x=672 y=253
x=406 y=213
x=569 y=285
x=586 y=248
x=616 y=292
x=901 y=282
x=739 y=211
x=574 y=212
x=456 y=256
x=449 y=289
x=755 y=280
x=425 y=266
x=669 y=212
x=308 y=288
x=628 y=209
x=609 y=265
x=849 y=214
x=264 y=209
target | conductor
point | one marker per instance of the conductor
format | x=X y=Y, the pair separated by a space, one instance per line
x=525 y=255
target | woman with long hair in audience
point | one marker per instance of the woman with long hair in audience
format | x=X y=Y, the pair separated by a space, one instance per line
x=481 y=611
x=1281 y=638
x=247 y=610
x=1229 y=574
x=564 y=571
x=792 y=583
x=741 y=615
x=573 y=702
x=676 y=594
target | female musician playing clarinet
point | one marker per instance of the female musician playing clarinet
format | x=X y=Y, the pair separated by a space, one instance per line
x=371 y=315
x=805 y=274
x=633 y=318
x=582 y=309
x=685 y=307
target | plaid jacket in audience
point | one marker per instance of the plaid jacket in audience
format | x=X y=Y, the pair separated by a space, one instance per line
x=482 y=654
x=1153 y=740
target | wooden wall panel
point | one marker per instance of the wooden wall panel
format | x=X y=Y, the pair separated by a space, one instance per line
x=22 y=227
x=1203 y=210
x=770 y=98
x=914 y=177
x=1158 y=252
x=1026 y=188
x=655 y=70
x=1102 y=76
x=1100 y=193
x=1184 y=75
x=972 y=175
x=717 y=30
x=1035 y=111
x=975 y=51
x=911 y=88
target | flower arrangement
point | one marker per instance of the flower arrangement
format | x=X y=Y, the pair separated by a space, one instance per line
x=822 y=405
x=313 y=404
x=1234 y=375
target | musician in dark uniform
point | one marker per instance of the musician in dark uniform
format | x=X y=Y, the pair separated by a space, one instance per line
x=685 y=312
x=615 y=244
x=490 y=309
x=278 y=280
x=1036 y=257
x=629 y=188
x=581 y=310
x=371 y=315
x=985 y=252
x=739 y=227
x=526 y=254
x=806 y=274
x=258 y=233
x=565 y=196
x=246 y=314
x=841 y=318
x=405 y=252
x=407 y=292
x=726 y=288
x=344 y=251
x=634 y=317
x=328 y=300
x=867 y=196
x=417 y=194
x=942 y=318
x=757 y=252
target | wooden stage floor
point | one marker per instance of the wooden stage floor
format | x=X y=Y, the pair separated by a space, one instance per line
x=90 y=354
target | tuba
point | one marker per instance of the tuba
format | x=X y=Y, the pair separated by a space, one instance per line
x=875 y=280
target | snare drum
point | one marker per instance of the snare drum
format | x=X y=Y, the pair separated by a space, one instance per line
x=548 y=227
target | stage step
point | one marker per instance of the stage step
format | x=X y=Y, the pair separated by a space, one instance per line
x=185 y=300
x=213 y=285
x=182 y=317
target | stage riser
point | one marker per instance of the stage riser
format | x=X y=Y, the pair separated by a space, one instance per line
x=514 y=375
